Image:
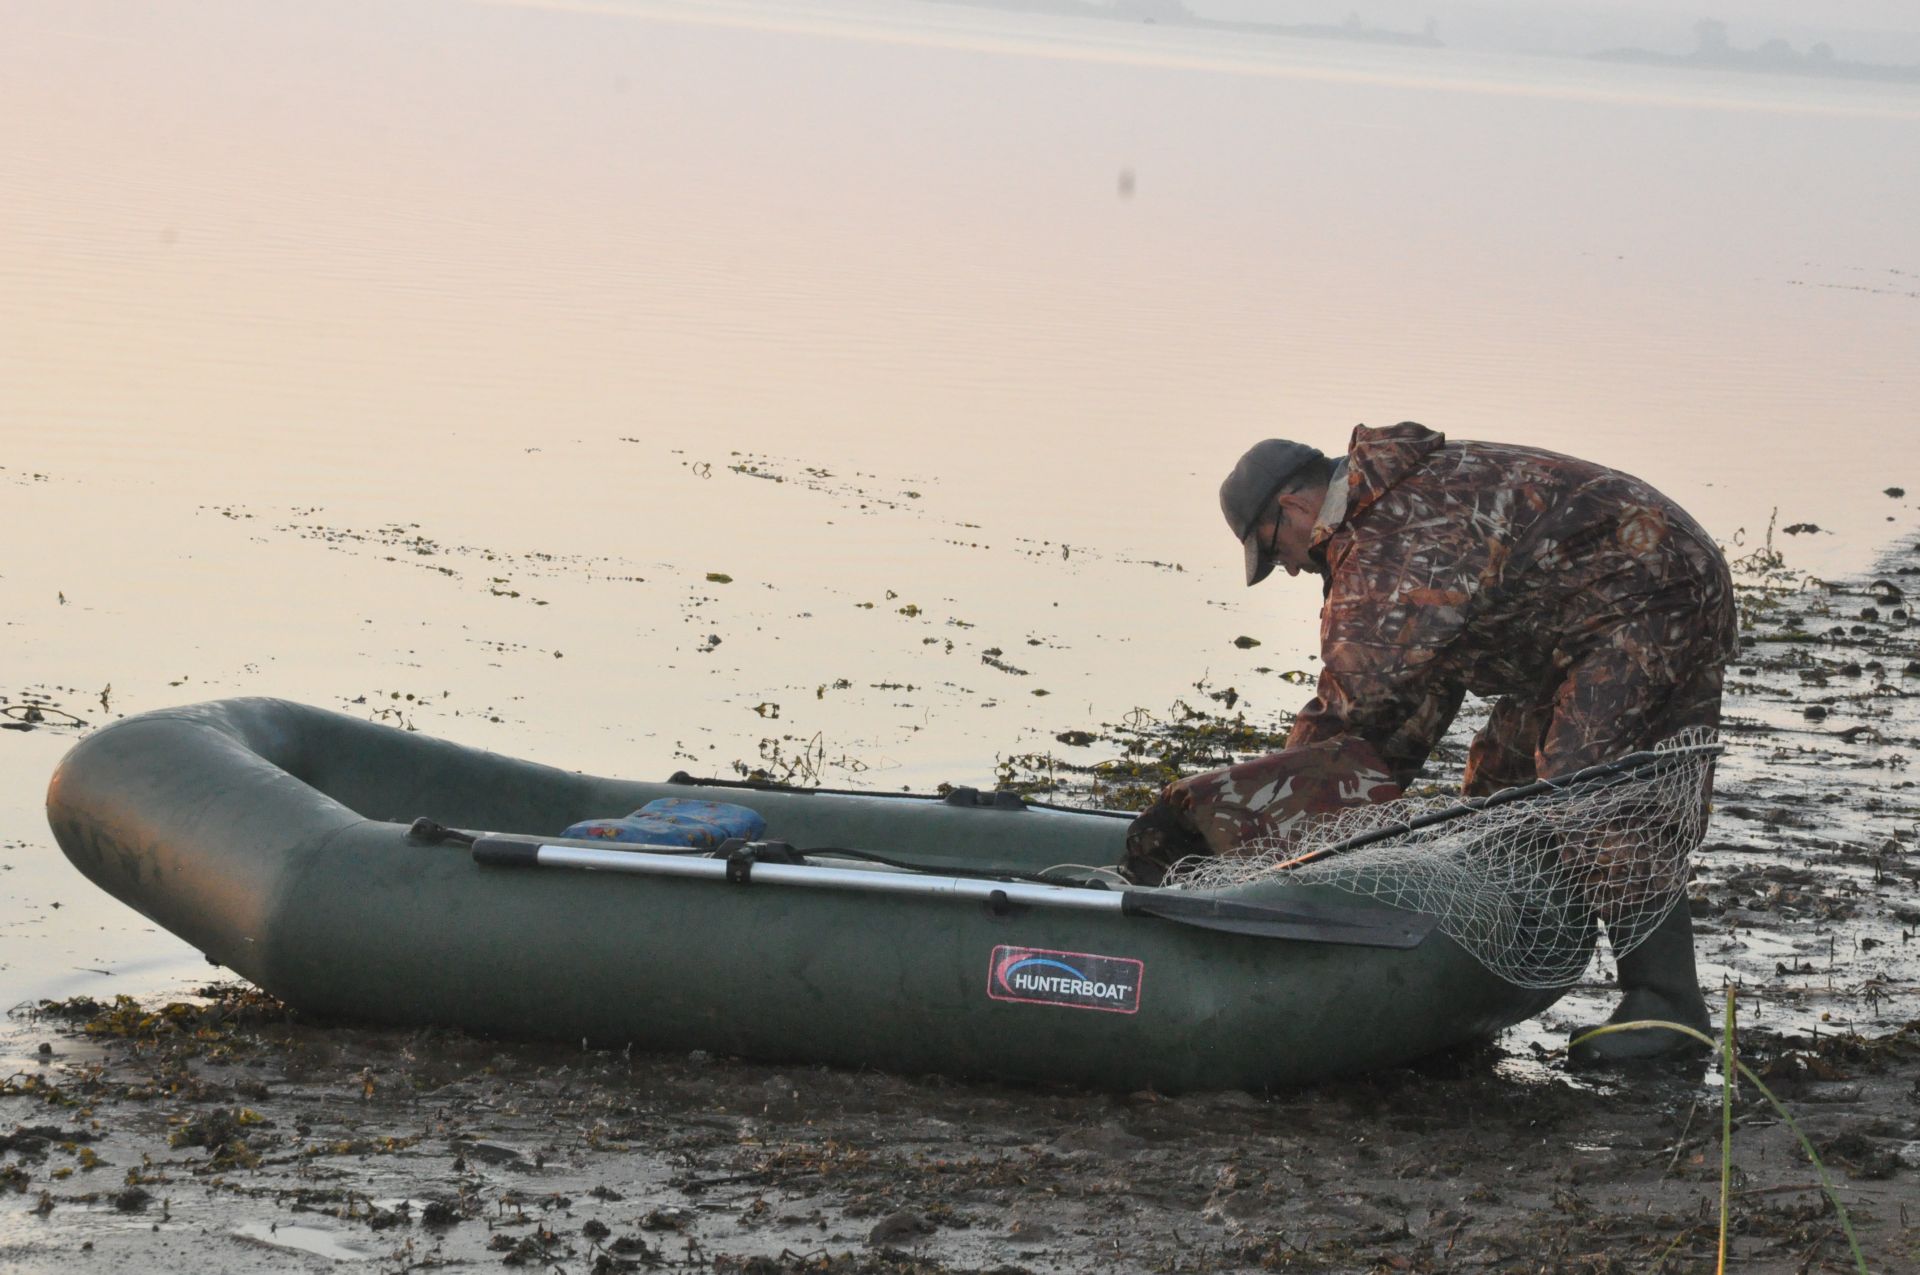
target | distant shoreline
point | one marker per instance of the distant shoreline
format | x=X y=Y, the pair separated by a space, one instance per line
x=1172 y=13
x=1713 y=51
x=1866 y=72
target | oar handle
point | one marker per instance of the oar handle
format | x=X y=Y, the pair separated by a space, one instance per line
x=498 y=852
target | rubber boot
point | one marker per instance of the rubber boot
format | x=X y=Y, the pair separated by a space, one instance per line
x=1659 y=981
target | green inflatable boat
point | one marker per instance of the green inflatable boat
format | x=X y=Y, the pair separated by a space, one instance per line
x=368 y=874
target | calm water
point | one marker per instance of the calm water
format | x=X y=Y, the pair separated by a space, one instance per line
x=444 y=348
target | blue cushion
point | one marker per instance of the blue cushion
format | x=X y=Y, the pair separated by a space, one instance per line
x=675 y=821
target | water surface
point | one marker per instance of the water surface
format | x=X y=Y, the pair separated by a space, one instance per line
x=446 y=349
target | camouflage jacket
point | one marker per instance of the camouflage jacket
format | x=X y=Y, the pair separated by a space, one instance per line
x=1495 y=569
x=1254 y=807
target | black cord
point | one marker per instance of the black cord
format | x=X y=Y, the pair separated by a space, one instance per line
x=761 y=785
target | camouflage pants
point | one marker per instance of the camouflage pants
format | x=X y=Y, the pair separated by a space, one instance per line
x=1253 y=807
x=1645 y=681
x=1609 y=703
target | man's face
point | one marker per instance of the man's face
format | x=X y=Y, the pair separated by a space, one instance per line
x=1285 y=532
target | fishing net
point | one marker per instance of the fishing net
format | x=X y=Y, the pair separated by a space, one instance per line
x=1518 y=881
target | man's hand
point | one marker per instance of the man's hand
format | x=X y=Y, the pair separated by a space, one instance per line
x=1161 y=836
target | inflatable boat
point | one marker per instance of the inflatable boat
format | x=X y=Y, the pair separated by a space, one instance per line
x=362 y=873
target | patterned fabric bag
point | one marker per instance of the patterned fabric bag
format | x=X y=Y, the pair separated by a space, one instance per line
x=675 y=821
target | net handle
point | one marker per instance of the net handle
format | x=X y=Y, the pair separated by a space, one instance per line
x=1630 y=766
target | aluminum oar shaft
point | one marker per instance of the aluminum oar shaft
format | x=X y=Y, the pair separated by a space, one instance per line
x=1305 y=921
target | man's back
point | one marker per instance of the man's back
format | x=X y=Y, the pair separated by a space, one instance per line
x=1504 y=563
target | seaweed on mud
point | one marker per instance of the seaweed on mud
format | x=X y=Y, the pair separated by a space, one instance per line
x=227 y=1012
x=226 y=1134
x=42 y=1089
x=1150 y=750
x=538 y=1248
x=40 y=708
x=439 y=1214
x=887 y=1261
x=132 y=1199
x=32 y=1141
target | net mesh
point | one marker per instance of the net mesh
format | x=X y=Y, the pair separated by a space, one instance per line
x=1520 y=884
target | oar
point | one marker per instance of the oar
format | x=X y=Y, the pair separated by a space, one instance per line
x=1622 y=768
x=1303 y=922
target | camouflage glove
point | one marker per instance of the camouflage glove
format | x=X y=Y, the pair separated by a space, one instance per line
x=1162 y=835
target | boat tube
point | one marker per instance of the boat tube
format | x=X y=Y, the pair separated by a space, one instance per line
x=363 y=873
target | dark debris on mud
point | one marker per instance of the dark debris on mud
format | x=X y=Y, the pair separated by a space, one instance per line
x=45 y=708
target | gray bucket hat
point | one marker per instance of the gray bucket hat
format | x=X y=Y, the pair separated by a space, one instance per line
x=1250 y=488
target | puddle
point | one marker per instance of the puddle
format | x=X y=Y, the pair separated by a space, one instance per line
x=315 y=1240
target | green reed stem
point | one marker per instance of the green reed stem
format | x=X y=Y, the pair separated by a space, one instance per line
x=1826 y=1182
x=1727 y=1064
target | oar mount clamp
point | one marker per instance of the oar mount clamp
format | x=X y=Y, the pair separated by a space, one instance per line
x=742 y=854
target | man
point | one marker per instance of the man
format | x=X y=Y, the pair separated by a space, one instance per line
x=1598 y=613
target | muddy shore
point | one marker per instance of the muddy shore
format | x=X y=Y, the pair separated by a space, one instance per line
x=229 y=1137
x=225 y=1133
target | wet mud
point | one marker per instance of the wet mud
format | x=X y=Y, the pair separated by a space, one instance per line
x=230 y=1135
x=224 y=1132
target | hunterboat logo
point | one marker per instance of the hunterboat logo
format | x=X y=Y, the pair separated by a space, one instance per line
x=1077 y=980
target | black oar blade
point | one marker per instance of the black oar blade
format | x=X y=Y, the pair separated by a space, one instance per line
x=1303 y=922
